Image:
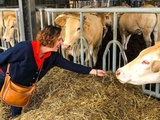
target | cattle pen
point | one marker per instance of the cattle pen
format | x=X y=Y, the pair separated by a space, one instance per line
x=111 y=64
x=148 y=90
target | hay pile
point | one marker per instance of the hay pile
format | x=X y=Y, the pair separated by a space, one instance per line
x=64 y=95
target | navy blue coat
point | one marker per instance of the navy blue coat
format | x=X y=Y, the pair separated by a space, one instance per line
x=23 y=68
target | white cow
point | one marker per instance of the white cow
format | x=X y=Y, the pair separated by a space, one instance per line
x=142 y=70
x=93 y=31
x=138 y=23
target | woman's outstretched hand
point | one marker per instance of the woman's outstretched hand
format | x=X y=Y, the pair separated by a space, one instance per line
x=98 y=72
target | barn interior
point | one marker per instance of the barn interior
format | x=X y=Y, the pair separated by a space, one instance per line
x=63 y=95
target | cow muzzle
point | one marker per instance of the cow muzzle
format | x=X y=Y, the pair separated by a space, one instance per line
x=66 y=47
x=118 y=73
x=7 y=39
x=122 y=77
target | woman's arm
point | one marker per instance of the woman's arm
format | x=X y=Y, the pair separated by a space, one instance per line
x=13 y=54
x=63 y=63
x=69 y=65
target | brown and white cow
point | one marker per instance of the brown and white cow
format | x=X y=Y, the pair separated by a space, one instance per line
x=138 y=23
x=93 y=31
x=142 y=70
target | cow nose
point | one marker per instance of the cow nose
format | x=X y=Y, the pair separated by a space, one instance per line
x=118 y=72
x=4 y=39
x=66 y=46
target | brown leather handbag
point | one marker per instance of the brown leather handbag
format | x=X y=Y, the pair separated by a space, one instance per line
x=14 y=94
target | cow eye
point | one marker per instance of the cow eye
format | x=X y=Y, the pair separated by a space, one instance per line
x=107 y=17
x=145 y=62
x=78 y=29
x=12 y=26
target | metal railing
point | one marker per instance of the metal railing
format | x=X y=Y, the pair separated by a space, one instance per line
x=104 y=10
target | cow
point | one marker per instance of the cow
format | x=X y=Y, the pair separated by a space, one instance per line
x=10 y=25
x=93 y=25
x=142 y=70
x=138 y=23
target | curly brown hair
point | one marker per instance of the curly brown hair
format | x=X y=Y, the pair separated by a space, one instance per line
x=48 y=36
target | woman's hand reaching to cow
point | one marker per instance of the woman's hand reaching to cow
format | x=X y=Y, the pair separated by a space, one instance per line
x=98 y=72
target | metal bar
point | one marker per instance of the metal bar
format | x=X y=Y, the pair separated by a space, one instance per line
x=53 y=16
x=17 y=27
x=41 y=18
x=114 y=39
x=9 y=9
x=22 y=33
x=82 y=42
x=48 y=16
x=119 y=10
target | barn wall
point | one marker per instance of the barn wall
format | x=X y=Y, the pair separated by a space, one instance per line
x=102 y=3
x=81 y=3
x=53 y=3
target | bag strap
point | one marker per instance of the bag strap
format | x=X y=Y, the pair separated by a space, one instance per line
x=39 y=72
x=8 y=66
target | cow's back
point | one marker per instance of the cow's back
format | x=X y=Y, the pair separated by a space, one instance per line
x=143 y=21
x=133 y=21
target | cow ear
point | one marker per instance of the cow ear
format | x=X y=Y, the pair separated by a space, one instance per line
x=61 y=20
x=7 y=14
x=119 y=15
x=155 y=66
x=107 y=15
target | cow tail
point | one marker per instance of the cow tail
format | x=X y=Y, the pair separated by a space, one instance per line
x=156 y=25
x=156 y=28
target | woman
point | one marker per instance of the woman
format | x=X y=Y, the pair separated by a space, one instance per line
x=26 y=59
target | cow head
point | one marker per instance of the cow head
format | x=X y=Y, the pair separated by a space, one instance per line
x=142 y=70
x=70 y=24
x=10 y=25
x=71 y=31
x=110 y=16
